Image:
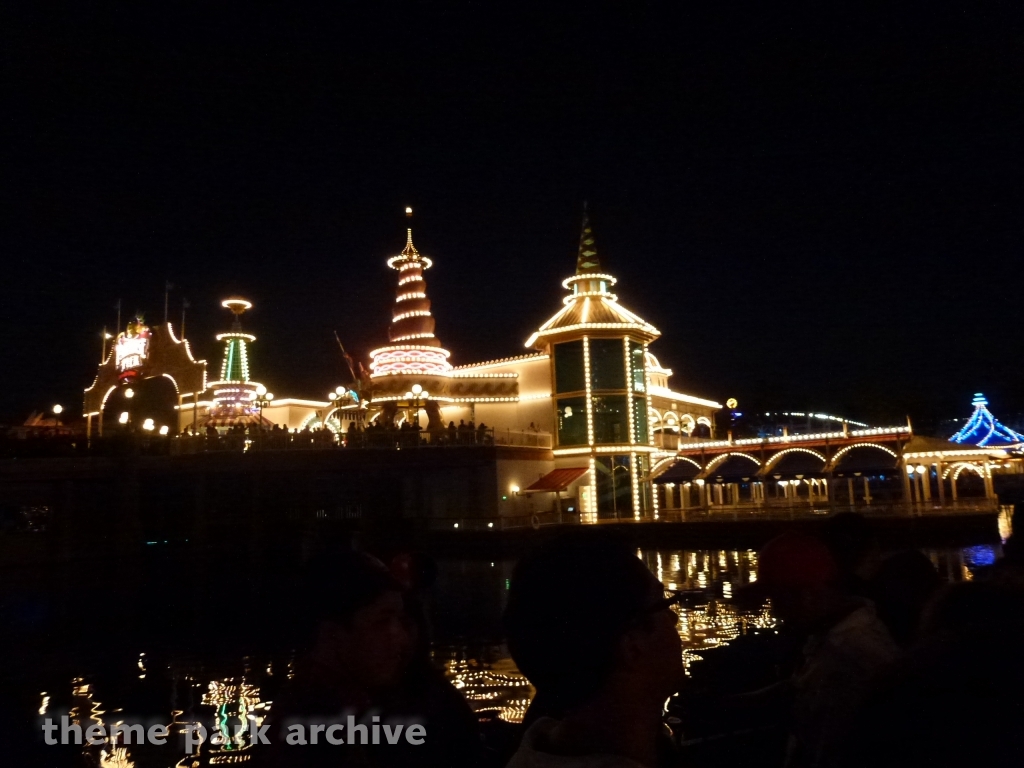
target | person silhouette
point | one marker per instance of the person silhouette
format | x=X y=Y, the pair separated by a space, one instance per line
x=600 y=646
x=363 y=657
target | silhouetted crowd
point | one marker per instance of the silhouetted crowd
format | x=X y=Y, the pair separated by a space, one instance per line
x=373 y=435
x=875 y=661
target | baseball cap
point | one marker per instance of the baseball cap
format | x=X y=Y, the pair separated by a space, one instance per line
x=791 y=561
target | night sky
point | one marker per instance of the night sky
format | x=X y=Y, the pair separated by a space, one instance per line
x=818 y=211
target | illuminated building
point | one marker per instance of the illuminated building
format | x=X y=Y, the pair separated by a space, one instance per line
x=576 y=423
x=590 y=390
x=140 y=356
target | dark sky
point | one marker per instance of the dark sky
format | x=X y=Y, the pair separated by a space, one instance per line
x=820 y=210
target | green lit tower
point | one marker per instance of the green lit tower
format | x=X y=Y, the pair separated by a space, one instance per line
x=234 y=392
x=598 y=352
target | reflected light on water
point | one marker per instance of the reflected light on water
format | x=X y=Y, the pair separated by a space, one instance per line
x=508 y=693
x=705 y=619
x=1005 y=522
x=237 y=704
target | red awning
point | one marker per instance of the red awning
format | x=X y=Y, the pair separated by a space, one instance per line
x=557 y=480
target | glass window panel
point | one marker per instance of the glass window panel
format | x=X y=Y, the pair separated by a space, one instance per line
x=640 y=427
x=607 y=364
x=611 y=420
x=636 y=365
x=643 y=469
x=572 y=421
x=614 y=487
x=569 y=367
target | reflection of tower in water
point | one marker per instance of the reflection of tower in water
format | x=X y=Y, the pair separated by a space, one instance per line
x=238 y=709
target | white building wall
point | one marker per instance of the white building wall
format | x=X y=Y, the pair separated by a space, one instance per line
x=533 y=376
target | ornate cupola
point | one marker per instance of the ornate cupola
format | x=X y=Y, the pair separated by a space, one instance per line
x=601 y=387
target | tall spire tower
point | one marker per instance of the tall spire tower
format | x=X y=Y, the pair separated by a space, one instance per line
x=414 y=349
x=598 y=351
x=412 y=372
x=234 y=392
x=234 y=368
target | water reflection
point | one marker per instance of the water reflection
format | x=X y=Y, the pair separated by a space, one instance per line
x=238 y=710
x=229 y=700
x=499 y=688
x=708 y=616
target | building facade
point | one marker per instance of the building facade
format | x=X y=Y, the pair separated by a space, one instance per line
x=581 y=418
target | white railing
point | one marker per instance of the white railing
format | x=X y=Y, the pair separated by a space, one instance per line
x=525 y=438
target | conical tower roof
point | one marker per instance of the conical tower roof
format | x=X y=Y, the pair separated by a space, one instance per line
x=984 y=429
x=590 y=306
x=587 y=260
x=413 y=348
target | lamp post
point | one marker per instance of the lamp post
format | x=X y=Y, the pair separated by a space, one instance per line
x=57 y=411
x=262 y=401
x=104 y=338
x=416 y=396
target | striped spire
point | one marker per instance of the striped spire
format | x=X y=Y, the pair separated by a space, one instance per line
x=587 y=261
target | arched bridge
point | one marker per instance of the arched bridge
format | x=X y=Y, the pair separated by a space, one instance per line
x=854 y=467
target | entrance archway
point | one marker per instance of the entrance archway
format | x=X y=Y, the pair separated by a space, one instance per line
x=146 y=361
x=153 y=398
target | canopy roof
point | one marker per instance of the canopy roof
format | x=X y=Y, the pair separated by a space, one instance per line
x=557 y=480
x=591 y=306
x=984 y=429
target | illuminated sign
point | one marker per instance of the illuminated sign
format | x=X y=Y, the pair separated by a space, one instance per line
x=130 y=353
x=132 y=347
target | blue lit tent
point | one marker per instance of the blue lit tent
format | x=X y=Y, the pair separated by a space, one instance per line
x=984 y=429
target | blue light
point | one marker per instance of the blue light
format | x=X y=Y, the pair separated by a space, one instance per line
x=984 y=554
x=984 y=429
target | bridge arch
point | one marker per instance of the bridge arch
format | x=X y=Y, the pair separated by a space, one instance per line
x=661 y=464
x=775 y=457
x=669 y=460
x=845 y=450
x=722 y=457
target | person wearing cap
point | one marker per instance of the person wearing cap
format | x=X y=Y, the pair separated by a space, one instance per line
x=592 y=629
x=847 y=648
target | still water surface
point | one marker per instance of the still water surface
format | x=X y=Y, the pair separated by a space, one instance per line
x=180 y=680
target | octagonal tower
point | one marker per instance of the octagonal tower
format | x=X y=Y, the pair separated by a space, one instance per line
x=601 y=388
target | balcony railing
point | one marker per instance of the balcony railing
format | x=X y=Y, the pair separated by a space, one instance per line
x=390 y=439
x=791 y=511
